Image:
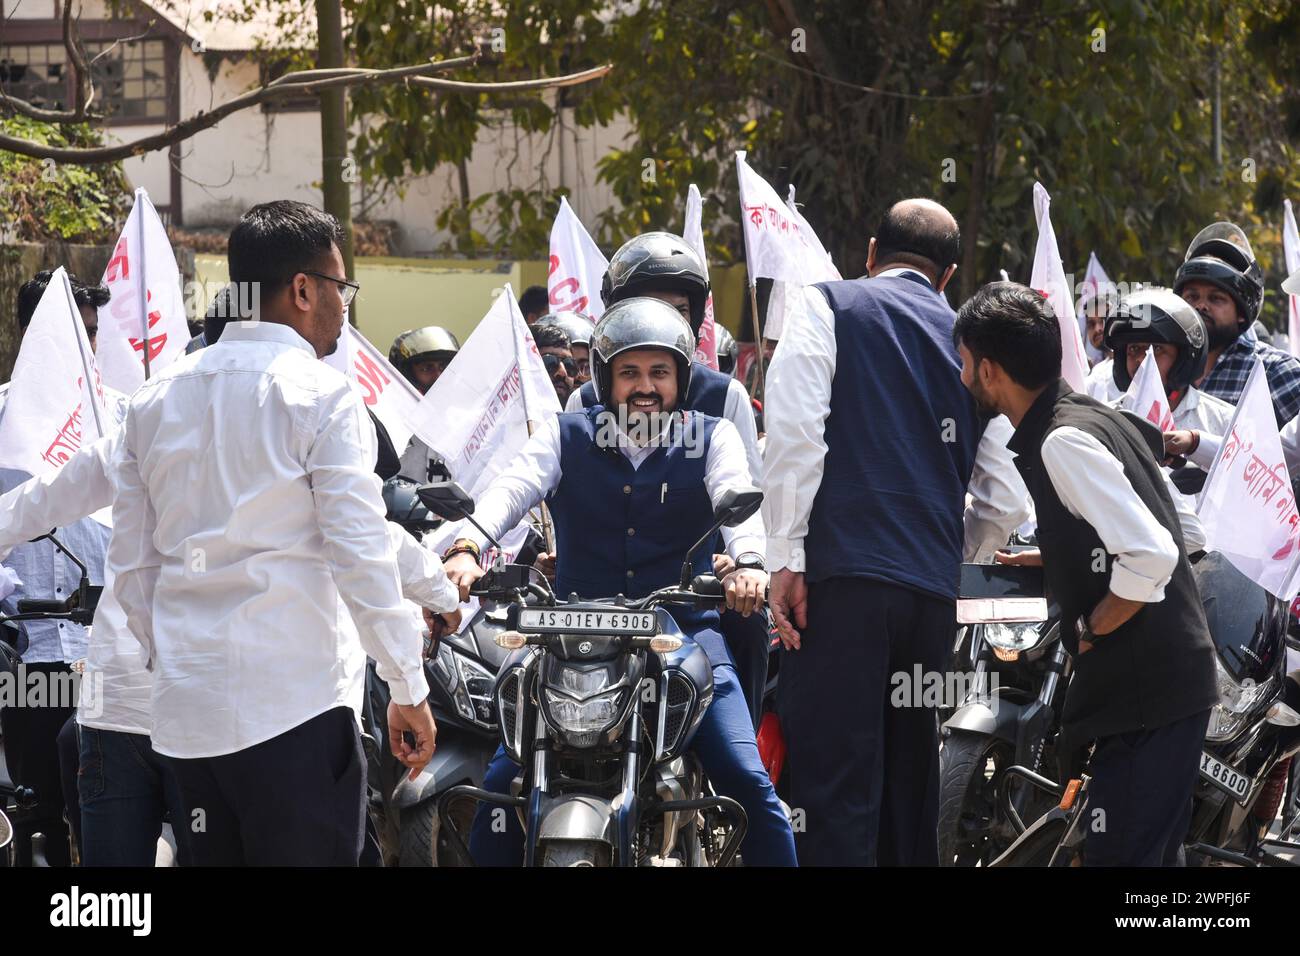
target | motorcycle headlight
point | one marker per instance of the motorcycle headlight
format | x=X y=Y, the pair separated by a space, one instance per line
x=583 y=716
x=1235 y=703
x=1012 y=637
x=583 y=703
x=467 y=683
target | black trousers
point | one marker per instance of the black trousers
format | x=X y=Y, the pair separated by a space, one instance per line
x=747 y=640
x=862 y=742
x=32 y=759
x=294 y=800
x=1140 y=794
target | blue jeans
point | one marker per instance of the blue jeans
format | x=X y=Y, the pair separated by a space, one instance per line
x=125 y=790
x=726 y=749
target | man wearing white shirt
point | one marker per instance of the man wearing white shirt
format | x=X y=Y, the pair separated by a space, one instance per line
x=631 y=484
x=1115 y=561
x=872 y=445
x=255 y=567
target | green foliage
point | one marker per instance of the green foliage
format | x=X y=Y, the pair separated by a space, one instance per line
x=44 y=200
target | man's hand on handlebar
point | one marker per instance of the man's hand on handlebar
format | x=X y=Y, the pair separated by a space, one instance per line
x=744 y=590
x=463 y=570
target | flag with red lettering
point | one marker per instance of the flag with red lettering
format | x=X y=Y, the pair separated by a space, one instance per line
x=577 y=266
x=1291 y=253
x=779 y=243
x=55 y=403
x=1146 y=393
x=706 y=345
x=1096 y=285
x=1048 y=277
x=1247 y=507
x=147 y=303
x=386 y=392
x=483 y=405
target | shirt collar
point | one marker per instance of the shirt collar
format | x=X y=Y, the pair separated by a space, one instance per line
x=1031 y=426
x=264 y=332
x=904 y=271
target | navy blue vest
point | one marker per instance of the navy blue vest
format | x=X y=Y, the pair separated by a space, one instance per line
x=707 y=394
x=901 y=440
x=625 y=530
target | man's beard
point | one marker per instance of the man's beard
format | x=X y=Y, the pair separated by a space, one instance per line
x=1219 y=337
x=986 y=409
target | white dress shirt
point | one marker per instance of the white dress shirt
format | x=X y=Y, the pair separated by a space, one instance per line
x=1100 y=383
x=798 y=403
x=247 y=514
x=1091 y=484
x=736 y=408
x=536 y=473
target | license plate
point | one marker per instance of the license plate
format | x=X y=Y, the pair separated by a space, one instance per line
x=1235 y=785
x=554 y=620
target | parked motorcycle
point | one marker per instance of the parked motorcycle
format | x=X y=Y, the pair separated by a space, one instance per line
x=599 y=701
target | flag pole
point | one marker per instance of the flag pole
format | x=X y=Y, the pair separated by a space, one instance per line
x=85 y=365
x=142 y=284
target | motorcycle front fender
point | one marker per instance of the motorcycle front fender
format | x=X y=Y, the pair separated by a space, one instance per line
x=459 y=758
x=577 y=817
x=1000 y=719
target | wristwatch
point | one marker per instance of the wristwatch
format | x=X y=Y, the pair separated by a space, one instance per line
x=1084 y=633
x=750 y=561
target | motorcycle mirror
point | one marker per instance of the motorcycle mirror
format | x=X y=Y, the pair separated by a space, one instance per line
x=446 y=499
x=737 y=505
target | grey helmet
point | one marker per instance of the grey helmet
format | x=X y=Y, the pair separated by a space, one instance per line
x=575 y=325
x=432 y=341
x=1221 y=255
x=640 y=323
x=657 y=262
x=1158 y=315
x=725 y=345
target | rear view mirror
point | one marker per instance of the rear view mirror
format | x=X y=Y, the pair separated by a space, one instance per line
x=446 y=499
x=737 y=506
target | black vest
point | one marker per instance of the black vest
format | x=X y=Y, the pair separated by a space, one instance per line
x=1158 y=666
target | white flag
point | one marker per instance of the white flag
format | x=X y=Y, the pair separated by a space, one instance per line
x=1291 y=253
x=386 y=392
x=577 y=266
x=1048 y=277
x=141 y=270
x=1096 y=284
x=779 y=243
x=706 y=344
x=1247 y=507
x=1146 y=393
x=56 y=399
x=481 y=407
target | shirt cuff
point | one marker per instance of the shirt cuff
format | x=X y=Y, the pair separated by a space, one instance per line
x=742 y=543
x=413 y=689
x=1132 y=586
x=785 y=553
x=445 y=598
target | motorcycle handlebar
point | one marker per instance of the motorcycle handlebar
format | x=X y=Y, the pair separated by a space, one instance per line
x=41 y=606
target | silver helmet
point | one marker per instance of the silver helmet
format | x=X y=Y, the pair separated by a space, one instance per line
x=640 y=323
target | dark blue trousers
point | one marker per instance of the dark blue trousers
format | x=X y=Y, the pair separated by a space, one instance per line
x=747 y=640
x=726 y=749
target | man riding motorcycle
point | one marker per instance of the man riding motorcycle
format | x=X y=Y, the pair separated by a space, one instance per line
x=578 y=328
x=630 y=484
x=422 y=355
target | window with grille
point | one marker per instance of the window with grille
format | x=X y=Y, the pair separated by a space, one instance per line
x=130 y=78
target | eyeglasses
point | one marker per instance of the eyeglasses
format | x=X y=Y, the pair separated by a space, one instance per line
x=552 y=361
x=347 y=290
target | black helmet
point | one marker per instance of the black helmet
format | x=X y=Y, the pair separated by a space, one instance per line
x=1158 y=315
x=432 y=341
x=725 y=346
x=640 y=323
x=1221 y=255
x=405 y=507
x=657 y=262
x=575 y=325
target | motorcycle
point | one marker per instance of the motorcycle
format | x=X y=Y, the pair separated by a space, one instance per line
x=1010 y=715
x=599 y=701
x=1252 y=737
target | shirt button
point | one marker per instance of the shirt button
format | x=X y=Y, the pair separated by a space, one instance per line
x=627 y=489
x=629 y=574
x=631 y=531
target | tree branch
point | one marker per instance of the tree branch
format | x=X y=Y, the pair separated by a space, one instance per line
x=80 y=70
x=414 y=75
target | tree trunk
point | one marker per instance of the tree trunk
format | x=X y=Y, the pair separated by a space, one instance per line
x=334 y=132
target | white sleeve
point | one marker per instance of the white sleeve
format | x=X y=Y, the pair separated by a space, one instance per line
x=998 y=496
x=131 y=550
x=424 y=580
x=1208 y=447
x=1090 y=482
x=574 y=403
x=726 y=468
x=80 y=488
x=350 y=512
x=532 y=476
x=740 y=412
x=798 y=401
x=1185 y=505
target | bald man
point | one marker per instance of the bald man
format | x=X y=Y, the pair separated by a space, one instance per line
x=872 y=446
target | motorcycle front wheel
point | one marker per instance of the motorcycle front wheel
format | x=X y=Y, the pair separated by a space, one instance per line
x=971 y=831
x=576 y=853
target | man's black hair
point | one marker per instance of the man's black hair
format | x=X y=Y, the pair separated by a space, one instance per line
x=550 y=337
x=1014 y=326
x=534 y=300
x=29 y=295
x=917 y=236
x=274 y=241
